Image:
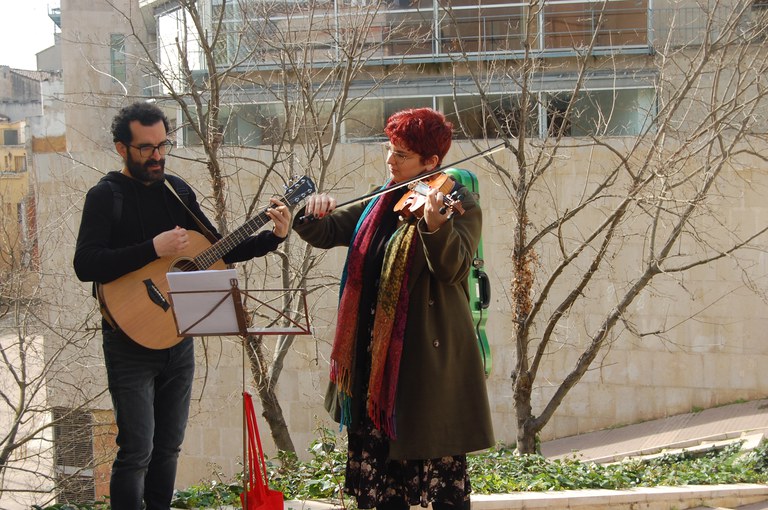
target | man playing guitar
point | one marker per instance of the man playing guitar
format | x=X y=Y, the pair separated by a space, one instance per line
x=150 y=384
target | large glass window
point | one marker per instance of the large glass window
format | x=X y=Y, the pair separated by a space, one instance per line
x=255 y=33
x=619 y=112
x=408 y=32
x=247 y=125
x=248 y=30
x=600 y=113
x=483 y=29
x=502 y=115
x=615 y=23
x=627 y=112
x=364 y=122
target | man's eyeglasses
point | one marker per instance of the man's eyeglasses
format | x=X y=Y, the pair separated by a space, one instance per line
x=400 y=156
x=147 y=149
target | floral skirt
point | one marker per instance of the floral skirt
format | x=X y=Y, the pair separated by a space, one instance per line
x=373 y=478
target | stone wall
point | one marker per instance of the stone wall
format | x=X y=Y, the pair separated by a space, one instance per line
x=709 y=351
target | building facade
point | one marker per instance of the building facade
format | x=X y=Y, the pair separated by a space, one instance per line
x=349 y=65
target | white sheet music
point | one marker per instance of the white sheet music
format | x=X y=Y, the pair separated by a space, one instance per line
x=197 y=293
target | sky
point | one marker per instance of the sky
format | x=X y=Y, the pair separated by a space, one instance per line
x=25 y=30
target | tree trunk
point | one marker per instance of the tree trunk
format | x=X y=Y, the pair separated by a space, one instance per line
x=273 y=414
x=526 y=429
x=270 y=404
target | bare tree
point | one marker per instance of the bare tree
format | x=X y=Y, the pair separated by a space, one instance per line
x=40 y=362
x=641 y=210
x=263 y=52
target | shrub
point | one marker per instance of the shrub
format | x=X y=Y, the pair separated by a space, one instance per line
x=497 y=471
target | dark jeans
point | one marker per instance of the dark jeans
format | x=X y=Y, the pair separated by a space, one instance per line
x=151 y=392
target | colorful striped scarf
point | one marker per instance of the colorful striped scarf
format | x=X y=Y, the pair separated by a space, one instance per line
x=389 y=322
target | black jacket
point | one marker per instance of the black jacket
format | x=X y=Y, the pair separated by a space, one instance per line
x=107 y=250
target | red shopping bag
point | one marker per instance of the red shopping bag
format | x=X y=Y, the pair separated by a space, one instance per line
x=257 y=494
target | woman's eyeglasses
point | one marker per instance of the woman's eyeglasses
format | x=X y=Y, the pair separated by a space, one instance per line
x=400 y=156
x=147 y=149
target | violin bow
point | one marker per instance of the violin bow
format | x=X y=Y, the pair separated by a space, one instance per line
x=419 y=177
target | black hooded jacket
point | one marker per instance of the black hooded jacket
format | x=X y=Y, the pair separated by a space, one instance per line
x=106 y=251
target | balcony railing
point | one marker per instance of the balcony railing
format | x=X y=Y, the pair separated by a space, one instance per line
x=434 y=33
x=317 y=33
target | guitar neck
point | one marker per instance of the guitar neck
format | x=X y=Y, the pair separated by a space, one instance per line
x=224 y=245
x=208 y=257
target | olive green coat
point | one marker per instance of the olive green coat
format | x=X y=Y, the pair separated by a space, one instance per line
x=441 y=407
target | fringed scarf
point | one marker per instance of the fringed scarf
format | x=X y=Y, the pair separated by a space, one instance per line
x=389 y=322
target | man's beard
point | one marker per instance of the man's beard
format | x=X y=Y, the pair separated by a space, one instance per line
x=141 y=172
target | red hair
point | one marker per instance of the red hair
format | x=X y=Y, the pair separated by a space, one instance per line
x=422 y=130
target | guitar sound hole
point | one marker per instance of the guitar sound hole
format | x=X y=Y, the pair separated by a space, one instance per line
x=182 y=266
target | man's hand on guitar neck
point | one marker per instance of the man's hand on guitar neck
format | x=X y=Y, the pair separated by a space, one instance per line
x=171 y=242
x=280 y=215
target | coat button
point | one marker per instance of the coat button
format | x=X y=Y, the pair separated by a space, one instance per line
x=431 y=302
x=435 y=343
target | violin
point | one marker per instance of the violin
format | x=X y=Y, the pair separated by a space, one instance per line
x=412 y=203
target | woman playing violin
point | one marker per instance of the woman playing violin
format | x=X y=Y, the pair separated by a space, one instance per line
x=406 y=374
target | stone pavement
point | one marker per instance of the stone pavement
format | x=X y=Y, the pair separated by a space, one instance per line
x=682 y=431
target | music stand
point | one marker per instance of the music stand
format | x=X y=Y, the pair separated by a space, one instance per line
x=210 y=303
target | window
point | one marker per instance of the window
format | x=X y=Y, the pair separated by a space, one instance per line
x=246 y=125
x=364 y=122
x=19 y=164
x=622 y=112
x=558 y=117
x=73 y=454
x=600 y=113
x=10 y=137
x=117 y=61
x=608 y=112
x=617 y=23
x=476 y=28
x=501 y=116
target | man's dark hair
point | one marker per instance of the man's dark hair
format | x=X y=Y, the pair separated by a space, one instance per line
x=147 y=114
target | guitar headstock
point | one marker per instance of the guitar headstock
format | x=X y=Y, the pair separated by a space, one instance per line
x=299 y=190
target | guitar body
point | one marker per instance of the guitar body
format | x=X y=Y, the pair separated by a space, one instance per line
x=138 y=302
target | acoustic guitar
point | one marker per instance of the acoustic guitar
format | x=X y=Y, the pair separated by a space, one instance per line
x=137 y=302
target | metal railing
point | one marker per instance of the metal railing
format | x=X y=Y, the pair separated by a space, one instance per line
x=437 y=33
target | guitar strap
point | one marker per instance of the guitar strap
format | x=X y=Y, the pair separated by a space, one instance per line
x=207 y=233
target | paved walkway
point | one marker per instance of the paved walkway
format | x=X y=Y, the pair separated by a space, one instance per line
x=682 y=431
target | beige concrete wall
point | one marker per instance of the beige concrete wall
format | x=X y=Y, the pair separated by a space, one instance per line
x=713 y=359
x=91 y=91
